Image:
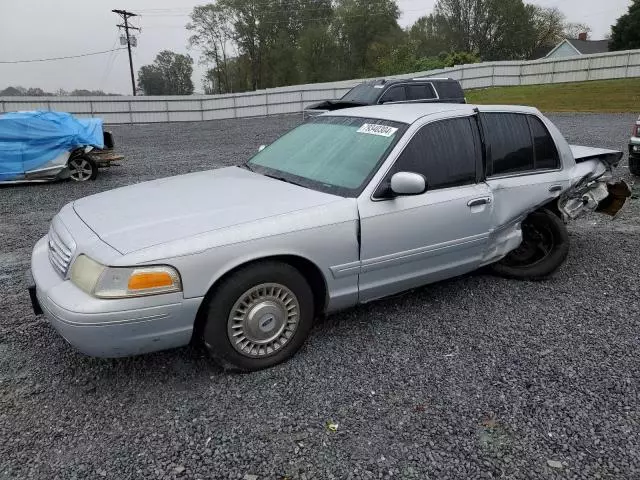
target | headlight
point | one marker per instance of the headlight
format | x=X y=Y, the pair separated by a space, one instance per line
x=121 y=282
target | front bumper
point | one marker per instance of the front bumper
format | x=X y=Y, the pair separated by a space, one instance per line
x=114 y=327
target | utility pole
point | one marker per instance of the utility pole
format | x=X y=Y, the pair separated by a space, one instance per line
x=125 y=16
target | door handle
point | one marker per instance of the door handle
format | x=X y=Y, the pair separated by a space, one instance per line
x=555 y=188
x=477 y=202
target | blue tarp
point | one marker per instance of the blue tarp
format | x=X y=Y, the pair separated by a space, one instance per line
x=28 y=140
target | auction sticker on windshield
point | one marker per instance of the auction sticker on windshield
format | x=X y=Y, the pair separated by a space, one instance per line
x=374 y=129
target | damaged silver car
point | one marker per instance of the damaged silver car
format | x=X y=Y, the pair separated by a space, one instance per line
x=349 y=207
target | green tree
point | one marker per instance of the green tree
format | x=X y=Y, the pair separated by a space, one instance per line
x=364 y=29
x=212 y=32
x=316 y=54
x=625 y=34
x=492 y=29
x=170 y=74
x=427 y=37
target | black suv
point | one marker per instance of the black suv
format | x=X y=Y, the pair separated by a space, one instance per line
x=418 y=90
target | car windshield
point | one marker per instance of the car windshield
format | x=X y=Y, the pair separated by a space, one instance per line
x=332 y=154
x=364 y=93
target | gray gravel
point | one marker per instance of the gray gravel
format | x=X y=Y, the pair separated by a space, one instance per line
x=477 y=377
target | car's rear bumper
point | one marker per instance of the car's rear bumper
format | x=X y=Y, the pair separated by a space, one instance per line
x=114 y=327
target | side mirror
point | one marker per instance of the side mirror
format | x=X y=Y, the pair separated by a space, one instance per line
x=408 y=183
x=261 y=147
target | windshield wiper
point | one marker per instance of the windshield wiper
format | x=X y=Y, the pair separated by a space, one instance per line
x=282 y=179
x=247 y=166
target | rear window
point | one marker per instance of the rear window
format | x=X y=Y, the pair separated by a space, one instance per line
x=508 y=142
x=420 y=92
x=449 y=90
x=545 y=151
x=517 y=142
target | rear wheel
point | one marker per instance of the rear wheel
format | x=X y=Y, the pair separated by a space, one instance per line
x=82 y=168
x=544 y=247
x=259 y=316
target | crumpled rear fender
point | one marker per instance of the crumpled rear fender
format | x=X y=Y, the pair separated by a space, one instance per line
x=593 y=189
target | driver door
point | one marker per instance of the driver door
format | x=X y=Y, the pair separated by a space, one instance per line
x=408 y=241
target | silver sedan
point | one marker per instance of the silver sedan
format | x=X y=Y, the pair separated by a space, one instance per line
x=346 y=208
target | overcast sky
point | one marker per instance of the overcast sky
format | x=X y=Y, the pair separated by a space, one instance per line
x=32 y=29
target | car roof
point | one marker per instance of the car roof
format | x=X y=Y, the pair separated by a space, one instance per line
x=412 y=112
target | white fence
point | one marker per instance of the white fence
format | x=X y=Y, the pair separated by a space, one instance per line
x=294 y=99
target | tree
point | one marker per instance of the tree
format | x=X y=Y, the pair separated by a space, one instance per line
x=573 y=30
x=12 y=92
x=170 y=74
x=364 y=29
x=427 y=37
x=549 y=28
x=316 y=54
x=492 y=29
x=625 y=34
x=212 y=32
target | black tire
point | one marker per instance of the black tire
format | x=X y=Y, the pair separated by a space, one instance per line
x=82 y=168
x=545 y=246
x=219 y=324
x=634 y=166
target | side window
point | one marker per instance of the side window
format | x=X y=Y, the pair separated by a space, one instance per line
x=394 y=94
x=508 y=142
x=546 y=153
x=445 y=152
x=420 y=92
x=450 y=90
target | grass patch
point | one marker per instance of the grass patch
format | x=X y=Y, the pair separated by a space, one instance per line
x=614 y=96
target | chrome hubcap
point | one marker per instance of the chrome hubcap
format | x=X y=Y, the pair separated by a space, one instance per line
x=80 y=169
x=263 y=320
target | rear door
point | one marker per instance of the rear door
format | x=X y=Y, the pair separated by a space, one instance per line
x=522 y=164
x=408 y=241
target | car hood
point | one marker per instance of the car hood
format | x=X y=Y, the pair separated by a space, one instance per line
x=160 y=211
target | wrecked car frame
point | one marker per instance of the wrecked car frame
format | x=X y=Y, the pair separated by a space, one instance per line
x=347 y=208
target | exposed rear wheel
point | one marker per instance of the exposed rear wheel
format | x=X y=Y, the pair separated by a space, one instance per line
x=259 y=316
x=82 y=168
x=544 y=247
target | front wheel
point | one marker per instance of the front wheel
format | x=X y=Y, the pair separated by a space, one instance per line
x=259 y=316
x=82 y=168
x=544 y=247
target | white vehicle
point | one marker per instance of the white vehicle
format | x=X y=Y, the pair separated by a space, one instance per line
x=349 y=207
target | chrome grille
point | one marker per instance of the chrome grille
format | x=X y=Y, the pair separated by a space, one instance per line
x=61 y=247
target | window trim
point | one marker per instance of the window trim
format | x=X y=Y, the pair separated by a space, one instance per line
x=384 y=177
x=487 y=156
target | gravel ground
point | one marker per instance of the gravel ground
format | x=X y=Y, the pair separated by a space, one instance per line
x=477 y=377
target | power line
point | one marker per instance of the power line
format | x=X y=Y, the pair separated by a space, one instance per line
x=62 y=58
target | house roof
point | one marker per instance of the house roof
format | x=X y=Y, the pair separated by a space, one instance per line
x=586 y=47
